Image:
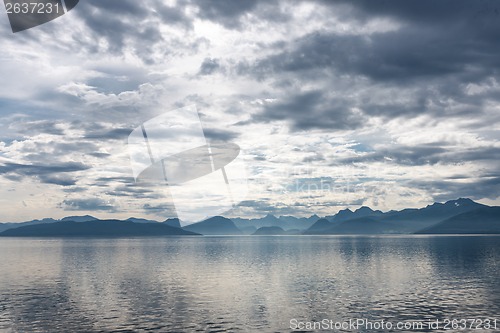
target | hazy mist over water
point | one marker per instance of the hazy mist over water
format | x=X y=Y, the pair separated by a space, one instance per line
x=218 y=284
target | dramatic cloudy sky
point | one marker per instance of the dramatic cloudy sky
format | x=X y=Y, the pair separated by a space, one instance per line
x=334 y=104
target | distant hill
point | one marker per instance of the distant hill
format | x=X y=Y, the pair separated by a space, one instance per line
x=359 y=226
x=98 y=228
x=139 y=220
x=84 y=218
x=267 y=221
x=173 y=222
x=412 y=220
x=363 y=220
x=248 y=230
x=347 y=214
x=284 y=222
x=484 y=220
x=8 y=225
x=269 y=231
x=319 y=226
x=217 y=225
x=342 y=215
x=302 y=223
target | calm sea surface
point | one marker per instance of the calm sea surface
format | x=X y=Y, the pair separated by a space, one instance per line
x=246 y=284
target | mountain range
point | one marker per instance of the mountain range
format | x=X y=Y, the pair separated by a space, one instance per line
x=461 y=216
x=96 y=228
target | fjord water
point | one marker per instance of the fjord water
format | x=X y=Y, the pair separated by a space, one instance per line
x=242 y=284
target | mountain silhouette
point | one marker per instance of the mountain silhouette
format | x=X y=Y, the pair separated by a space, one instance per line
x=248 y=230
x=412 y=220
x=10 y=225
x=217 y=225
x=290 y=222
x=435 y=218
x=269 y=231
x=319 y=226
x=174 y=222
x=284 y=222
x=484 y=220
x=139 y=220
x=267 y=221
x=359 y=226
x=98 y=228
x=84 y=218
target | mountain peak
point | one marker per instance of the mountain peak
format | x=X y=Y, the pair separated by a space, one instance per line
x=217 y=225
x=461 y=202
x=363 y=209
x=464 y=200
x=84 y=218
x=173 y=222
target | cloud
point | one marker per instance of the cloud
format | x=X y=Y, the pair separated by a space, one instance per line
x=165 y=209
x=111 y=134
x=135 y=191
x=217 y=134
x=312 y=109
x=49 y=174
x=475 y=188
x=174 y=15
x=430 y=154
x=91 y=204
x=31 y=128
x=209 y=66
x=340 y=87
x=226 y=12
x=119 y=22
x=423 y=65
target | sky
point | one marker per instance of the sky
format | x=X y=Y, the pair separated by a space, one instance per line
x=334 y=104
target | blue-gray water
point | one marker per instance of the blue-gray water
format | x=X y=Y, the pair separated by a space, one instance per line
x=242 y=284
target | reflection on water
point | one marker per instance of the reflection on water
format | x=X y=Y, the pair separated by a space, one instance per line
x=243 y=284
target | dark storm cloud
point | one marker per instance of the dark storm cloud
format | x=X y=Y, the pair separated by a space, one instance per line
x=34 y=170
x=101 y=131
x=475 y=189
x=108 y=134
x=49 y=174
x=213 y=134
x=426 y=61
x=116 y=21
x=422 y=12
x=209 y=66
x=57 y=180
x=75 y=189
x=100 y=155
x=38 y=127
x=160 y=208
x=133 y=190
x=45 y=153
x=123 y=180
x=426 y=155
x=313 y=109
x=174 y=15
x=232 y=14
x=133 y=26
x=93 y=204
x=412 y=52
x=225 y=12
x=435 y=39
